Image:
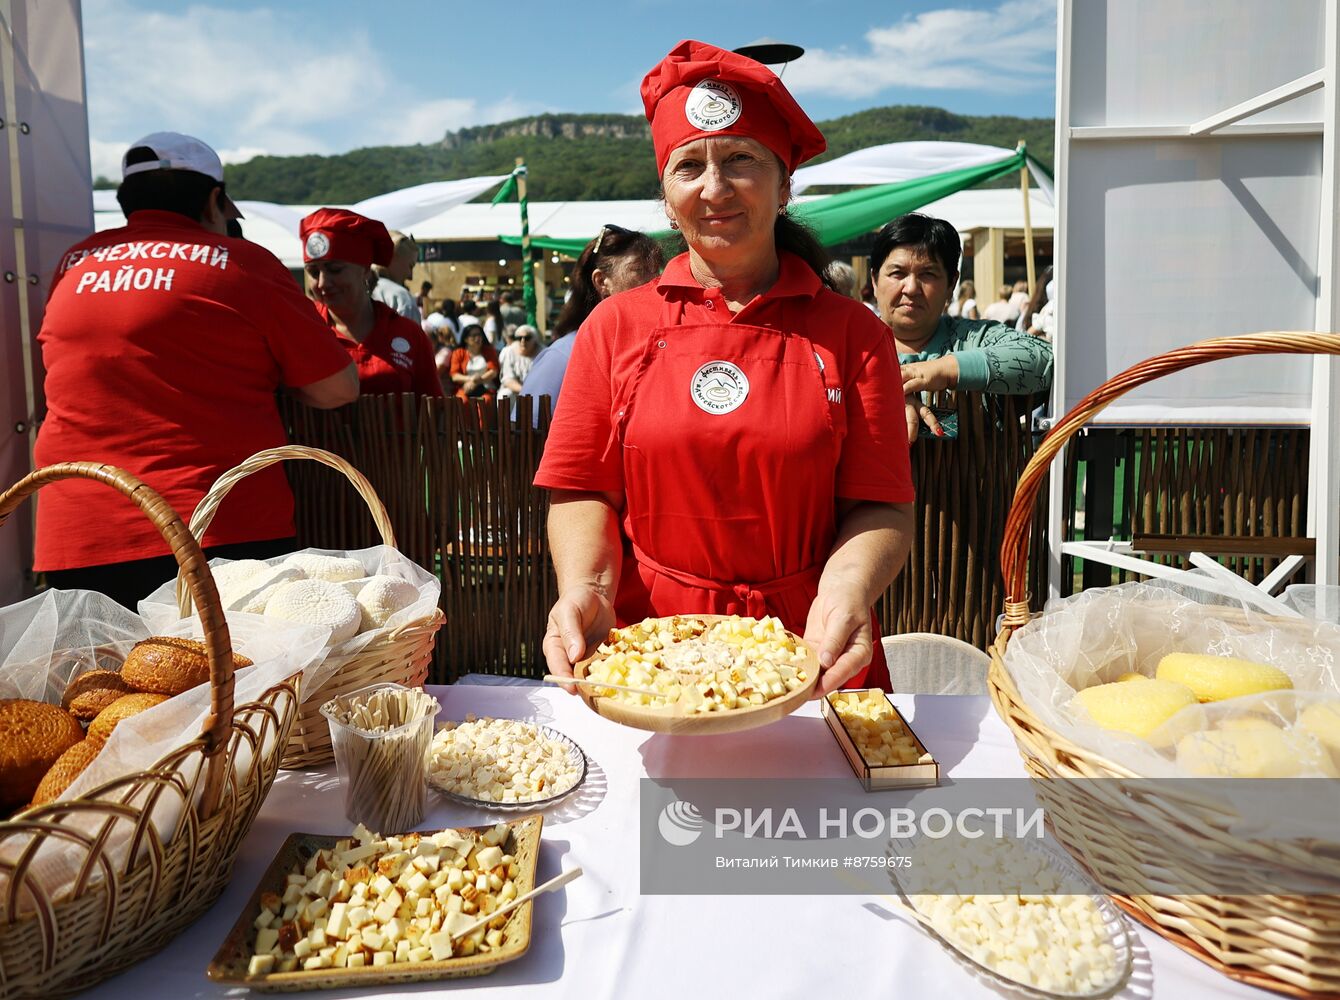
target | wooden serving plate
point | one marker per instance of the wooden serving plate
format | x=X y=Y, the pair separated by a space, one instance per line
x=230 y=963
x=674 y=719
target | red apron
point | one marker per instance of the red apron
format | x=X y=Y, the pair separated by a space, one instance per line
x=730 y=458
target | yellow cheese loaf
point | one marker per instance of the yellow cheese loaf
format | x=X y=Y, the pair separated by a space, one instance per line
x=1322 y=721
x=1214 y=678
x=1251 y=753
x=1137 y=709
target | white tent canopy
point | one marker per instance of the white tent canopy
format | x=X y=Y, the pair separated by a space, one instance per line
x=965 y=210
x=894 y=162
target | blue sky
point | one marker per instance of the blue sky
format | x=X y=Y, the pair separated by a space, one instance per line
x=324 y=76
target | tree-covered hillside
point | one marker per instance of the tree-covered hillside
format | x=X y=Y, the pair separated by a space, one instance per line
x=581 y=157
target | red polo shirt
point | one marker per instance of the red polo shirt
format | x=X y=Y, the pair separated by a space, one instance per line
x=396 y=357
x=164 y=345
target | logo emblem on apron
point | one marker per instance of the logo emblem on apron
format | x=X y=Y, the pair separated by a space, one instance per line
x=712 y=105
x=400 y=345
x=318 y=245
x=718 y=387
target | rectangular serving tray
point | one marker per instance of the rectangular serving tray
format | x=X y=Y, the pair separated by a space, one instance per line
x=230 y=962
x=878 y=778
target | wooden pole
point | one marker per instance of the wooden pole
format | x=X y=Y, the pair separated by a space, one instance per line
x=1028 y=227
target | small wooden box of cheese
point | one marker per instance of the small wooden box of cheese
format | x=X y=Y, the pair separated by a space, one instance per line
x=879 y=745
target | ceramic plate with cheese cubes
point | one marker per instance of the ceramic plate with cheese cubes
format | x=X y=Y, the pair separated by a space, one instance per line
x=1096 y=963
x=563 y=763
x=236 y=961
x=705 y=691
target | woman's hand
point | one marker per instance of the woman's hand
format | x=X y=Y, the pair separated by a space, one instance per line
x=919 y=412
x=839 y=628
x=581 y=618
x=930 y=376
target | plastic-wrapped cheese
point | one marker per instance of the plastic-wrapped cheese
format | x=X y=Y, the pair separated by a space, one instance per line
x=316 y=566
x=381 y=597
x=1322 y=722
x=1214 y=678
x=317 y=602
x=1252 y=753
x=1134 y=708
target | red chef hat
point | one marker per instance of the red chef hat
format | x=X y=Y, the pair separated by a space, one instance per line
x=338 y=234
x=700 y=90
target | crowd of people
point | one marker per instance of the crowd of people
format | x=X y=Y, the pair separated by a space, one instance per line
x=727 y=434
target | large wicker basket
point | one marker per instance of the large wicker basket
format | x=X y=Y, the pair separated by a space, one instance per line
x=120 y=911
x=1290 y=944
x=403 y=656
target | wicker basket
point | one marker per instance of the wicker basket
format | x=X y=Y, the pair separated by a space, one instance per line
x=118 y=912
x=403 y=656
x=1290 y=944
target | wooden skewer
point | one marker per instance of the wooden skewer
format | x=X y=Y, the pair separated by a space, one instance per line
x=556 y=679
x=554 y=883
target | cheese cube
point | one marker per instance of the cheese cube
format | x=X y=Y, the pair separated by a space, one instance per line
x=260 y=965
x=440 y=945
x=383 y=958
x=267 y=939
x=388 y=907
x=422 y=907
x=381 y=885
x=337 y=924
x=371 y=939
x=316 y=909
x=357 y=916
x=317 y=936
x=393 y=931
x=489 y=857
x=420 y=954
x=417 y=882
x=302 y=948
x=355 y=960
x=315 y=962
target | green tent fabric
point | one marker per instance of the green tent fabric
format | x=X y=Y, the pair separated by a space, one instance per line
x=842 y=217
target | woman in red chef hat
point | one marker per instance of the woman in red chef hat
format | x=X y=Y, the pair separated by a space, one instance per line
x=392 y=353
x=732 y=437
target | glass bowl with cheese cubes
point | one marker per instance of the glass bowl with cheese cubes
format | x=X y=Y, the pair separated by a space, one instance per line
x=1057 y=936
x=369 y=910
x=504 y=764
x=698 y=674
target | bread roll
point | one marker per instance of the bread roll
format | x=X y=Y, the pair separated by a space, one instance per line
x=88 y=694
x=169 y=665
x=33 y=735
x=123 y=708
x=62 y=774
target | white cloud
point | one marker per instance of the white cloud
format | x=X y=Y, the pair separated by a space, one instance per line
x=253 y=81
x=1012 y=46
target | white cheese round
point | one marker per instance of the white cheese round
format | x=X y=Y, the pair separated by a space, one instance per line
x=383 y=596
x=317 y=602
x=336 y=569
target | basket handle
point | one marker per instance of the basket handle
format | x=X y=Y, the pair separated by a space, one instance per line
x=1019 y=523
x=194 y=572
x=209 y=504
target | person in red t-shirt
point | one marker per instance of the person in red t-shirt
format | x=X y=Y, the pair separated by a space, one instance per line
x=164 y=342
x=730 y=438
x=392 y=353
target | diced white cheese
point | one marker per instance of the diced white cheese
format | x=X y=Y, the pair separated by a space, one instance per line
x=260 y=965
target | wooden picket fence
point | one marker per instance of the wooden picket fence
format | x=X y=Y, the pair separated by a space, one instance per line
x=456 y=479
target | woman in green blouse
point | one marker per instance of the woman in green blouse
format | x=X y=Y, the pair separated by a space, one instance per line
x=915 y=266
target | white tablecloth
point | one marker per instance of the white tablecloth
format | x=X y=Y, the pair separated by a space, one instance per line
x=600 y=938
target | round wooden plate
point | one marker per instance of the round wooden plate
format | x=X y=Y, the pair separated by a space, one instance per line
x=673 y=718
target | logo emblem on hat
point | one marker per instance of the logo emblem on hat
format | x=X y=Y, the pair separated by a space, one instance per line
x=318 y=245
x=718 y=387
x=712 y=105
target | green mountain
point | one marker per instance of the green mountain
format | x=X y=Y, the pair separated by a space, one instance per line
x=582 y=157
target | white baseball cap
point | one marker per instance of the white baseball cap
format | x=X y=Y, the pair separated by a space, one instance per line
x=176 y=151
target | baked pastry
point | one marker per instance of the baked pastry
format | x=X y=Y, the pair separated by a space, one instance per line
x=169 y=665
x=88 y=694
x=33 y=735
x=123 y=708
x=68 y=766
